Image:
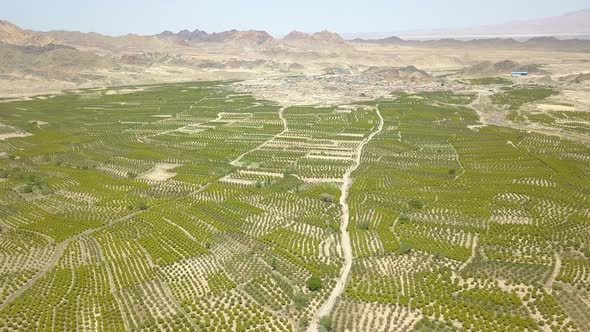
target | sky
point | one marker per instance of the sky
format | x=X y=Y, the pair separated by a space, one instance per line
x=117 y=17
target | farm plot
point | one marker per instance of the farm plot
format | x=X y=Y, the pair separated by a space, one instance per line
x=485 y=211
x=187 y=207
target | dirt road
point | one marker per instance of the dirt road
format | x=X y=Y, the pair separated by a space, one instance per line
x=328 y=305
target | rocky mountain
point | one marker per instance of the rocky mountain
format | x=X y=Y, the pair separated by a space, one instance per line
x=488 y=68
x=409 y=74
x=320 y=43
x=114 y=43
x=12 y=34
x=191 y=36
x=317 y=37
x=248 y=37
x=573 y=45
x=55 y=62
x=576 y=78
x=313 y=40
x=570 y=25
x=341 y=70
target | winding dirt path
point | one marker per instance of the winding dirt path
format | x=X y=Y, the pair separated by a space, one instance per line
x=236 y=162
x=473 y=253
x=554 y=274
x=328 y=305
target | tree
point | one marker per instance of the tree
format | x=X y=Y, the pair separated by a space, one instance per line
x=405 y=248
x=300 y=300
x=326 y=323
x=27 y=189
x=327 y=198
x=131 y=175
x=416 y=204
x=304 y=322
x=142 y=205
x=314 y=283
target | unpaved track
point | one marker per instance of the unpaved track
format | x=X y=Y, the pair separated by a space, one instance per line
x=473 y=253
x=554 y=273
x=236 y=162
x=328 y=305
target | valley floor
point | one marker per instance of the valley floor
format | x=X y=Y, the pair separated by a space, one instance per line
x=200 y=206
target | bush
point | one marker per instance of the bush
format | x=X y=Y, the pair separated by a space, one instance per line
x=304 y=322
x=314 y=283
x=142 y=205
x=416 y=204
x=131 y=175
x=405 y=248
x=326 y=323
x=327 y=198
x=300 y=300
x=27 y=189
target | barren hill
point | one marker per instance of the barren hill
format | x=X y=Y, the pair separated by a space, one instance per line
x=544 y=43
x=324 y=42
x=12 y=34
x=409 y=73
x=51 y=62
x=247 y=37
x=110 y=43
x=570 y=25
x=488 y=68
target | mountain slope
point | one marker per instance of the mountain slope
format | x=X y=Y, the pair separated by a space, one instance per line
x=50 y=61
x=247 y=37
x=12 y=34
x=488 y=68
x=126 y=42
x=575 y=22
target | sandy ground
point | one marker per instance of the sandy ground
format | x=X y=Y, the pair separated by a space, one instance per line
x=159 y=172
x=13 y=135
x=554 y=273
x=551 y=107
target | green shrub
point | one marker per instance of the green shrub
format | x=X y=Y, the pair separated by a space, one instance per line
x=327 y=198
x=142 y=205
x=314 y=283
x=300 y=300
x=405 y=248
x=326 y=323
x=27 y=189
x=416 y=204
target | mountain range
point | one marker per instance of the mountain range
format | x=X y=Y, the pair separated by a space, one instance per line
x=75 y=59
x=570 y=25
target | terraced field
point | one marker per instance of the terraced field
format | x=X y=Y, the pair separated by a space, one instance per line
x=187 y=207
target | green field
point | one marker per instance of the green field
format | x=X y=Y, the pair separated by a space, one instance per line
x=490 y=81
x=189 y=207
x=514 y=98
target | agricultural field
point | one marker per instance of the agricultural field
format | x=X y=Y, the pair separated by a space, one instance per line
x=190 y=207
x=490 y=81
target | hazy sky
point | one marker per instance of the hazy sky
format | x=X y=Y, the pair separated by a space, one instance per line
x=276 y=16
